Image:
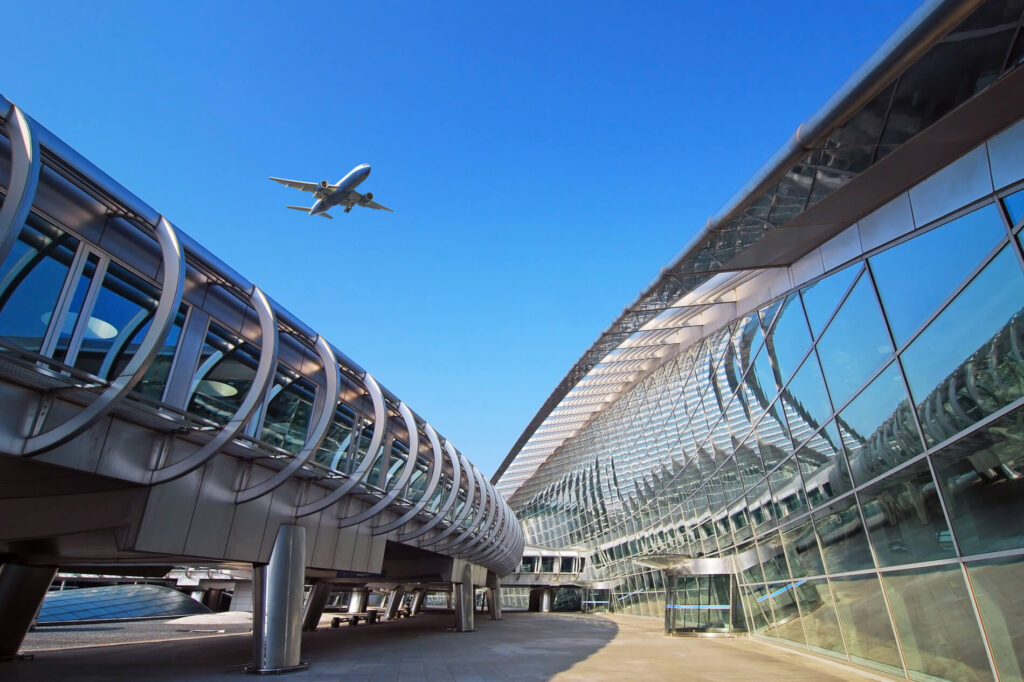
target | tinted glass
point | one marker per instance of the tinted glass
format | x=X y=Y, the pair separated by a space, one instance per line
x=865 y=622
x=227 y=366
x=821 y=626
x=916 y=276
x=996 y=584
x=288 y=412
x=790 y=338
x=823 y=297
x=842 y=537
x=1015 y=206
x=335 y=449
x=806 y=401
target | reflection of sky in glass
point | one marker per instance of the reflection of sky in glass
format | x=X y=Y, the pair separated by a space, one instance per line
x=807 y=392
x=876 y=404
x=1015 y=206
x=823 y=297
x=790 y=338
x=855 y=343
x=916 y=276
x=968 y=323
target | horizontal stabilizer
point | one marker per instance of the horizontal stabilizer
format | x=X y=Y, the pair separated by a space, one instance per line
x=299 y=208
x=326 y=215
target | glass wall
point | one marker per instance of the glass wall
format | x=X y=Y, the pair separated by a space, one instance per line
x=862 y=435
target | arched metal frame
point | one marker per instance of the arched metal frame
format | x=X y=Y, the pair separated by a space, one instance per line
x=471 y=479
x=435 y=477
x=261 y=382
x=171 y=291
x=330 y=394
x=380 y=425
x=21 y=190
x=495 y=541
x=478 y=518
x=481 y=531
x=455 y=459
x=410 y=466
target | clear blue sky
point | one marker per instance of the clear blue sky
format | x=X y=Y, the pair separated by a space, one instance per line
x=544 y=160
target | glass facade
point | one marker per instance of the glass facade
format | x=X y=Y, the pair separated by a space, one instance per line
x=117 y=602
x=853 y=446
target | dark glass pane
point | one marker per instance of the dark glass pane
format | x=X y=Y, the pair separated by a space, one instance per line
x=905 y=520
x=982 y=478
x=865 y=622
x=937 y=627
x=855 y=343
x=822 y=298
x=75 y=309
x=334 y=451
x=227 y=366
x=878 y=429
x=155 y=379
x=288 y=412
x=31 y=279
x=916 y=276
x=842 y=537
x=966 y=364
x=996 y=584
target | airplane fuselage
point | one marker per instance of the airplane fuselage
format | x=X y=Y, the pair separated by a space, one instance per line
x=332 y=196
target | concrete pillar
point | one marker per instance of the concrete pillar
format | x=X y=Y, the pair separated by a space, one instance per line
x=417 y=601
x=315 y=603
x=546 y=600
x=357 y=602
x=22 y=589
x=494 y=602
x=462 y=594
x=277 y=604
x=394 y=603
x=241 y=598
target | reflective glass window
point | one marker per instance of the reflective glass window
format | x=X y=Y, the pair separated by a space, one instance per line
x=396 y=465
x=1015 y=206
x=982 y=477
x=806 y=401
x=31 y=279
x=823 y=466
x=801 y=546
x=997 y=588
x=937 y=627
x=88 y=271
x=288 y=412
x=821 y=626
x=334 y=451
x=904 y=518
x=790 y=338
x=966 y=364
x=823 y=297
x=842 y=537
x=877 y=427
x=788 y=495
x=855 y=343
x=916 y=276
x=773 y=437
x=227 y=366
x=865 y=622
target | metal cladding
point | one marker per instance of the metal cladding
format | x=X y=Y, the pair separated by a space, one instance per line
x=144 y=324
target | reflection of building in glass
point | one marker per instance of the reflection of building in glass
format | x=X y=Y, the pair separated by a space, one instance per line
x=811 y=426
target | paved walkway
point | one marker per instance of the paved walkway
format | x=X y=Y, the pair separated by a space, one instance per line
x=524 y=646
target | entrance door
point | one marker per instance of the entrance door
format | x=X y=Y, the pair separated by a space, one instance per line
x=701 y=604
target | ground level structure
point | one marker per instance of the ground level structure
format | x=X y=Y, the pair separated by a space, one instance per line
x=524 y=646
x=809 y=427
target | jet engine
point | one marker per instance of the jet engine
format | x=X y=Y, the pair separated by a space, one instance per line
x=368 y=196
x=324 y=184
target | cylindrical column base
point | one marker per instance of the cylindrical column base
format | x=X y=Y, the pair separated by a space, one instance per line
x=417 y=602
x=277 y=604
x=22 y=589
x=494 y=602
x=546 y=599
x=357 y=600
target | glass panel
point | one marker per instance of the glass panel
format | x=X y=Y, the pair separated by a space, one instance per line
x=547 y=564
x=225 y=372
x=790 y=338
x=787 y=491
x=937 y=627
x=842 y=537
x=855 y=343
x=824 y=466
x=822 y=298
x=75 y=309
x=288 y=413
x=916 y=276
x=787 y=624
x=878 y=429
x=802 y=551
x=982 y=479
x=1015 y=206
x=968 y=363
x=865 y=622
x=154 y=381
x=333 y=452
x=819 y=616
x=396 y=465
x=31 y=279
x=806 y=401
x=904 y=518
x=1000 y=599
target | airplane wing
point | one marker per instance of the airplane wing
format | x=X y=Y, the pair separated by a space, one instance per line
x=298 y=184
x=375 y=205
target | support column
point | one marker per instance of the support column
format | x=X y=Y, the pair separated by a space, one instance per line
x=315 y=604
x=494 y=595
x=277 y=604
x=22 y=589
x=462 y=593
x=394 y=603
x=241 y=598
x=417 y=602
x=357 y=601
x=546 y=599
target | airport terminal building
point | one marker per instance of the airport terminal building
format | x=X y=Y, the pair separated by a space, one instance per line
x=810 y=427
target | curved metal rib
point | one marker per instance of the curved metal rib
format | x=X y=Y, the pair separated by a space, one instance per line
x=149 y=348
x=482 y=531
x=478 y=518
x=380 y=425
x=332 y=391
x=490 y=546
x=410 y=466
x=435 y=476
x=21 y=190
x=455 y=459
x=261 y=382
x=471 y=479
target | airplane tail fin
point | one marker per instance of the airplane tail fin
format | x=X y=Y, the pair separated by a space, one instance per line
x=299 y=208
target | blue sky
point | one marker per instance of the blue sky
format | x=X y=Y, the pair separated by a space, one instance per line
x=544 y=160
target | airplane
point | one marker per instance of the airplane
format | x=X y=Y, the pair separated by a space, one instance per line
x=341 y=194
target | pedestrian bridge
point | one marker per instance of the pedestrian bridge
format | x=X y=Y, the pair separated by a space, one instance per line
x=159 y=408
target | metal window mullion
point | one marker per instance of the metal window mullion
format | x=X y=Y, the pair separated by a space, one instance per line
x=93 y=293
x=67 y=294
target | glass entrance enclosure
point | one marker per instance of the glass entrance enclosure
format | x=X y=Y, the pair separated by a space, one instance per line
x=700 y=605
